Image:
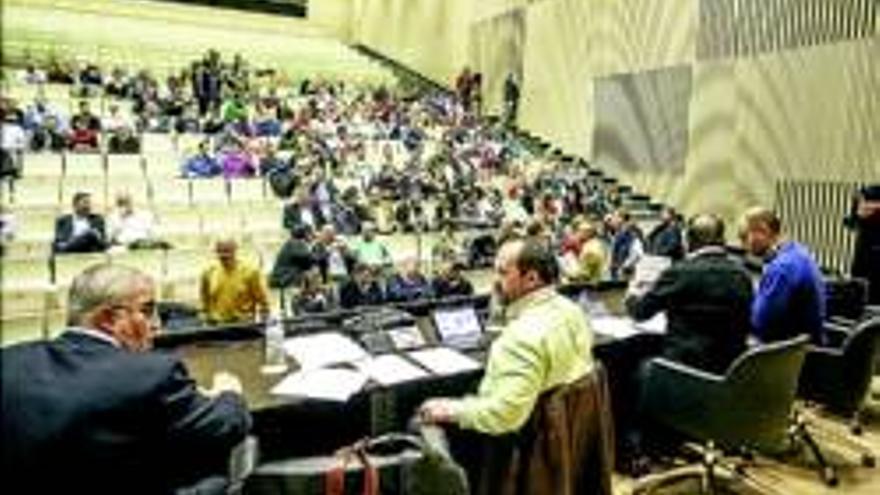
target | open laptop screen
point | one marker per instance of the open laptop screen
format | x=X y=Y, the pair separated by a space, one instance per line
x=458 y=328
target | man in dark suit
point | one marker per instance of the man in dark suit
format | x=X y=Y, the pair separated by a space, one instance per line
x=706 y=297
x=94 y=412
x=293 y=260
x=81 y=231
x=362 y=289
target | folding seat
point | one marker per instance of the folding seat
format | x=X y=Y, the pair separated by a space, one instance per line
x=35 y=223
x=155 y=142
x=16 y=329
x=169 y=191
x=25 y=273
x=84 y=164
x=149 y=261
x=42 y=165
x=181 y=226
x=37 y=191
x=213 y=191
x=128 y=165
x=162 y=164
x=68 y=266
x=247 y=191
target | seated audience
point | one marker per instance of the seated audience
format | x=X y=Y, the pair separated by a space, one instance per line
x=706 y=298
x=371 y=251
x=362 y=289
x=332 y=256
x=591 y=263
x=202 y=164
x=294 y=259
x=81 y=138
x=547 y=342
x=626 y=244
x=666 y=238
x=409 y=284
x=93 y=410
x=232 y=291
x=313 y=295
x=451 y=281
x=447 y=247
x=300 y=211
x=129 y=227
x=791 y=295
x=81 y=231
x=236 y=162
x=121 y=136
x=13 y=143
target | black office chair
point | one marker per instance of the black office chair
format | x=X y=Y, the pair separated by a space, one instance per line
x=839 y=377
x=747 y=409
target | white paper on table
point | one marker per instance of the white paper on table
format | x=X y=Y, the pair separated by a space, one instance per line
x=622 y=328
x=326 y=383
x=323 y=349
x=614 y=326
x=649 y=268
x=389 y=369
x=655 y=324
x=444 y=361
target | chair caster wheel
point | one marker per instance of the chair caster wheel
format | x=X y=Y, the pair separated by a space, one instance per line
x=869 y=461
x=829 y=476
x=856 y=430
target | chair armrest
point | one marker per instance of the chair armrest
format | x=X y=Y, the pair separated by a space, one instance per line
x=872 y=310
x=836 y=335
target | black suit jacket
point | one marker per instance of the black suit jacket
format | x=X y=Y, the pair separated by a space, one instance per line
x=85 y=416
x=707 y=299
x=65 y=242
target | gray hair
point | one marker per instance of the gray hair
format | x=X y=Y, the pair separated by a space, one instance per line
x=98 y=285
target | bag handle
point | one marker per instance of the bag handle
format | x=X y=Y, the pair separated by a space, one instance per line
x=335 y=478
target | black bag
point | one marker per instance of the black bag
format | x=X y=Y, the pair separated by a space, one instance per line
x=846 y=297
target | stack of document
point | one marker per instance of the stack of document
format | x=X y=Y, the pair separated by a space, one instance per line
x=444 y=361
x=324 y=384
x=324 y=349
x=621 y=327
x=390 y=369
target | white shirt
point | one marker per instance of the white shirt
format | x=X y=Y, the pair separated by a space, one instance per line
x=126 y=229
x=80 y=225
x=12 y=137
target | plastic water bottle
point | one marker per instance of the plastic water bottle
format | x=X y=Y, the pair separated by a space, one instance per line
x=275 y=360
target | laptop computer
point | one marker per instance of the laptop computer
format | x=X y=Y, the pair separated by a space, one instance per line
x=458 y=327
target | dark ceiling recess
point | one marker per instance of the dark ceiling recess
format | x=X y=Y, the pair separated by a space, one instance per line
x=295 y=8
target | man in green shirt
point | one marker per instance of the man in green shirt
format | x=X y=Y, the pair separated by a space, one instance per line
x=547 y=342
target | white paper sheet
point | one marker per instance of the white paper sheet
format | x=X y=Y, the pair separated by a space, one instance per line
x=327 y=384
x=444 y=361
x=389 y=369
x=613 y=326
x=621 y=328
x=323 y=349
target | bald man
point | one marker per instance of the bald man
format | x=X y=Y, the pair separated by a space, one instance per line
x=93 y=411
x=706 y=298
x=232 y=291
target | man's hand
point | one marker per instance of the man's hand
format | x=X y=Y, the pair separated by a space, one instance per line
x=434 y=411
x=224 y=381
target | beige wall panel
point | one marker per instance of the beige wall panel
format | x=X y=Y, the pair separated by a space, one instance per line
x=430 y=36
x=557 y=94
x=809 y=114
x=486 y=9
x=333 y=15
